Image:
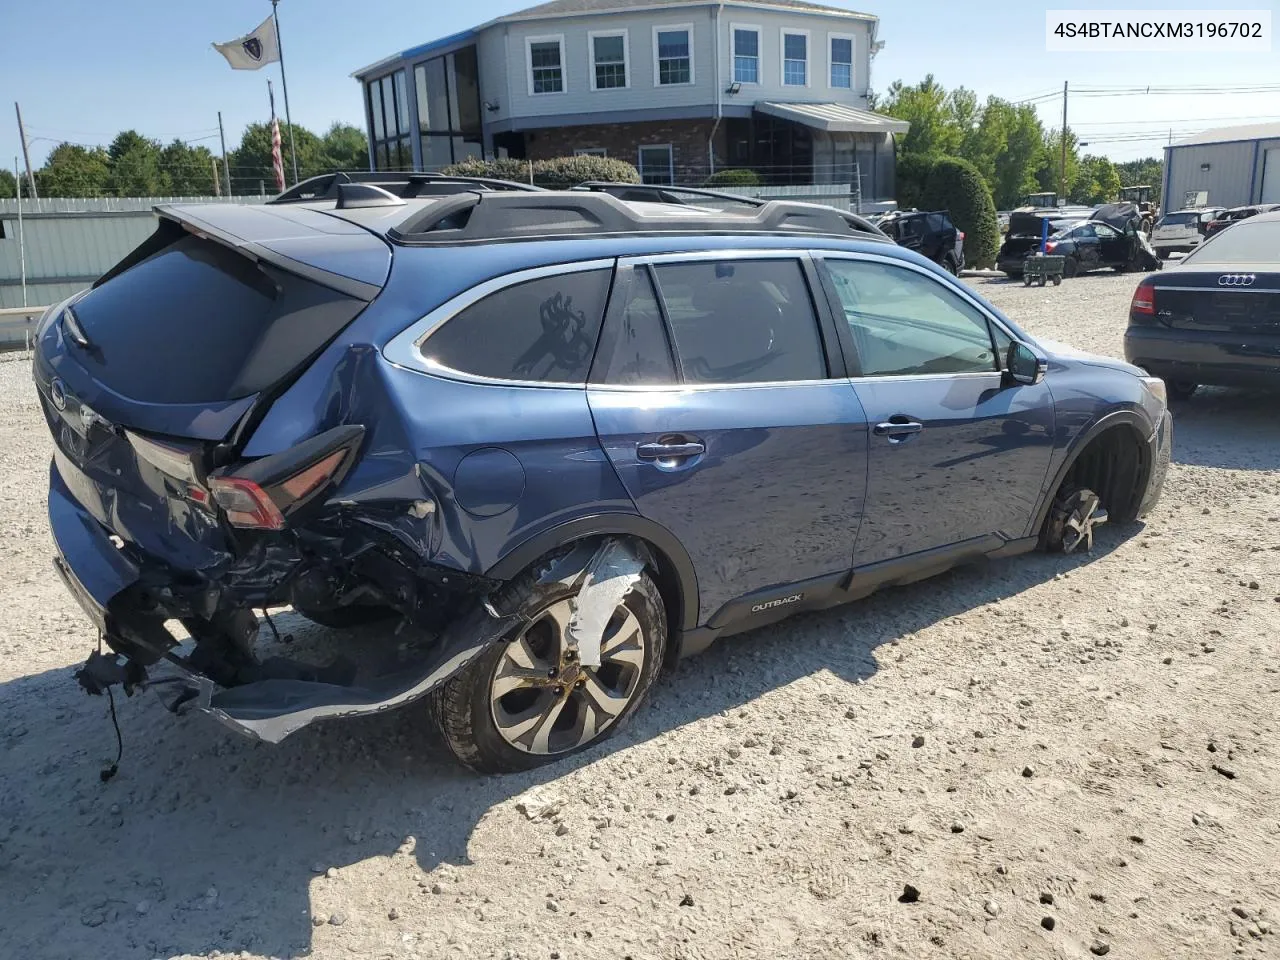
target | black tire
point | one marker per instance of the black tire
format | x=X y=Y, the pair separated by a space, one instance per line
x=1057 y=281
x=1026 y=281
x=463 y=706
x=1070 y=268
x=949 y=265
x=346 y=618
x=1181 y=389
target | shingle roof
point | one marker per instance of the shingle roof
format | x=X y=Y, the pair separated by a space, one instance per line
x=565 y=8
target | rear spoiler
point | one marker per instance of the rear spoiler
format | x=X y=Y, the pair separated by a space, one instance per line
x=175 y=221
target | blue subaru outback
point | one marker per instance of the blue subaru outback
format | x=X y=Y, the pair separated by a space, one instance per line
x=563 y=438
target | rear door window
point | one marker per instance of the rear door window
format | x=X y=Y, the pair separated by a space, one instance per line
x=904 y=323
x=542 y=330
x=195 y=322
x=742 y=321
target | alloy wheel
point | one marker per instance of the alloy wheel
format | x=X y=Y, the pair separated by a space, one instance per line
x=1084 y=514
x=545 y=702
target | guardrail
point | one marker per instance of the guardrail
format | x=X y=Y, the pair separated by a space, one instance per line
x=18 y=327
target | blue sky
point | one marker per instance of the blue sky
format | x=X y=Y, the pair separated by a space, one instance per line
x=85 y=69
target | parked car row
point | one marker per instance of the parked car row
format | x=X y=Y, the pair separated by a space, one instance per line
x=930 y=233
x=1111 y=236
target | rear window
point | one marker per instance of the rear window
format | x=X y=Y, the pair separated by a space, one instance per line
x=543 y=330
x=198 y=323
x=1250 y=241
x=1178 y=220
x=742 y=321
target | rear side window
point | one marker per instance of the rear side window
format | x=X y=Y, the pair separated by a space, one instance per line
x=635 y=352
x=742 y=321
x=198 y=323
x=543 y=330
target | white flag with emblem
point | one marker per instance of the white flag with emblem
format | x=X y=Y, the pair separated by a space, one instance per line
x=252 y=51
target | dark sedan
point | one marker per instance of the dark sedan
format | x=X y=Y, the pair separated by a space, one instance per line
x=1227 y=217
x=1214 y=317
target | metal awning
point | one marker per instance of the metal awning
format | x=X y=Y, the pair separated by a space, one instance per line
x=833 y=117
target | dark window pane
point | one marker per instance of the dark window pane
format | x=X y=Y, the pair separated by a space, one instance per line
x=795 y=46
x=389 y=104
x=638 y=352
x=609 y=56
x=381 y=159
x=673 y=57
x=436 y=152
x=609 y=49
x=433 y=97
x=467 y=148
x=542 y=330
x=655 y=165
x=544 y=57
x=906 y=323
x=198 y=323
x=841 y=50
x=746 y=43
x=375 y=110
x=673 y=43
x=742 y=321
x=402 y=105
x=464 y=88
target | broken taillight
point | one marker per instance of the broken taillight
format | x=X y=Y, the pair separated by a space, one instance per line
x=259 y=498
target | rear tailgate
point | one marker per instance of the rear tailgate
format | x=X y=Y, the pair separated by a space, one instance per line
x=214 y=315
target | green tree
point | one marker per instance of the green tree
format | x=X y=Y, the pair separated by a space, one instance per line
x=957 y=186
x=74 y=171
x=1049 y=169
x=345 y=148
x=135 y=169
x=909 y=179
x=8 y=185
x=251 y=160
x=929 y=110
x=1096 y=182
x=187 y=171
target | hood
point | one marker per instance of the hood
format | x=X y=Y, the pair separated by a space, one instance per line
x=1074 y=355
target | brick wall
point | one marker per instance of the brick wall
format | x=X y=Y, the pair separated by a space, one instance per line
x=688 y=139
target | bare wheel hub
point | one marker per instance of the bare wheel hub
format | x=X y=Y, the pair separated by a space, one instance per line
x=1084 y=514
x=544 y=701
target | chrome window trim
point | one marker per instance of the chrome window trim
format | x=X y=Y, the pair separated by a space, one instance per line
x=964 y=295
x=405 y=348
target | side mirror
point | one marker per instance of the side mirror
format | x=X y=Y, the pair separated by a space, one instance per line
x=1024 y=364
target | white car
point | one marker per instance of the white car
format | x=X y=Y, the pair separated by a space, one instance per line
x=1181 y=231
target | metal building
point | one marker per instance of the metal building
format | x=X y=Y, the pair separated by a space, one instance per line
x=1233 y=165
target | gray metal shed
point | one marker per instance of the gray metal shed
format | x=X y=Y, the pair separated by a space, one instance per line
x=1234 y=165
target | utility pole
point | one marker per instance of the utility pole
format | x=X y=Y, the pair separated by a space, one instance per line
x=22 y=135
x=22 y=237
x=217 y=177
x=1063 y=177
x=226 y=170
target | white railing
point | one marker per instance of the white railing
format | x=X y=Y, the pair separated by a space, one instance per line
x=18 y=327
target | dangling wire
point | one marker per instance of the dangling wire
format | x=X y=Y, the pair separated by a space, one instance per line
x=107 y=773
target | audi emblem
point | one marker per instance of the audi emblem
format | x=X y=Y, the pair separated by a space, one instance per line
x=1236 y=279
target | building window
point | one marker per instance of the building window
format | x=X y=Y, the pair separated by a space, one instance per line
x=609 y=64
x=656 y=164
x=389 y=121
x=591 y=152
x=842 y=61
x=546 y=64
x=449 y=108
x=673 y=55
x=746 y=54
x=795 y=58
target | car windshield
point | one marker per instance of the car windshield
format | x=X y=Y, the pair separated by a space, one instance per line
x=1253 y=241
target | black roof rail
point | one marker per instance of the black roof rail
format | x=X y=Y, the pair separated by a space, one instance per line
x=403 y=184
x=661 y=193
x=490 y=217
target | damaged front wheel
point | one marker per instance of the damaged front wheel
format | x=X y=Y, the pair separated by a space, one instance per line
x=529 y=700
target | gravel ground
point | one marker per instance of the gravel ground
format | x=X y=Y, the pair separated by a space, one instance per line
x=1050 y=756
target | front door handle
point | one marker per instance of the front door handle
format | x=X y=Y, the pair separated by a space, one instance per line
x=898 y=429
x=675 y=450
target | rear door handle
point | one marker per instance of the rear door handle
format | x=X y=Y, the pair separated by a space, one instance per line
x=670 y=451
x=897 y=432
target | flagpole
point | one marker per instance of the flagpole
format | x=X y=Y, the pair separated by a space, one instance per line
x=293 y=153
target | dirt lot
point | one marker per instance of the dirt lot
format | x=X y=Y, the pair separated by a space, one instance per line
x=1061 y=755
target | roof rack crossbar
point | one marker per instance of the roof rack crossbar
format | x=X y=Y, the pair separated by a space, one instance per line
x=487 y=217
x=402 y=184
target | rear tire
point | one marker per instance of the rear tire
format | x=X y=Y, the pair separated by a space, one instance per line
x=949 y=265
x=1181 y=389
x=1070 y=268
x=542 y=717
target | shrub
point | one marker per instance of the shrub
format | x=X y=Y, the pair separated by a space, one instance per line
x=498 y=169
x=957 y=186
x=910 y=174
x=562 y=172
x=733 y=178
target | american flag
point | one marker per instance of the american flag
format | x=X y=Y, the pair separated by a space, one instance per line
x=277 y=161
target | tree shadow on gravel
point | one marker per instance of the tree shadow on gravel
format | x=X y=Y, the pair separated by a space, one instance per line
x=206 y=841
x=1235 y=429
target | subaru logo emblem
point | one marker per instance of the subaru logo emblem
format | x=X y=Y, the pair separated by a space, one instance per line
x=1236 y=279
x=58 y=394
